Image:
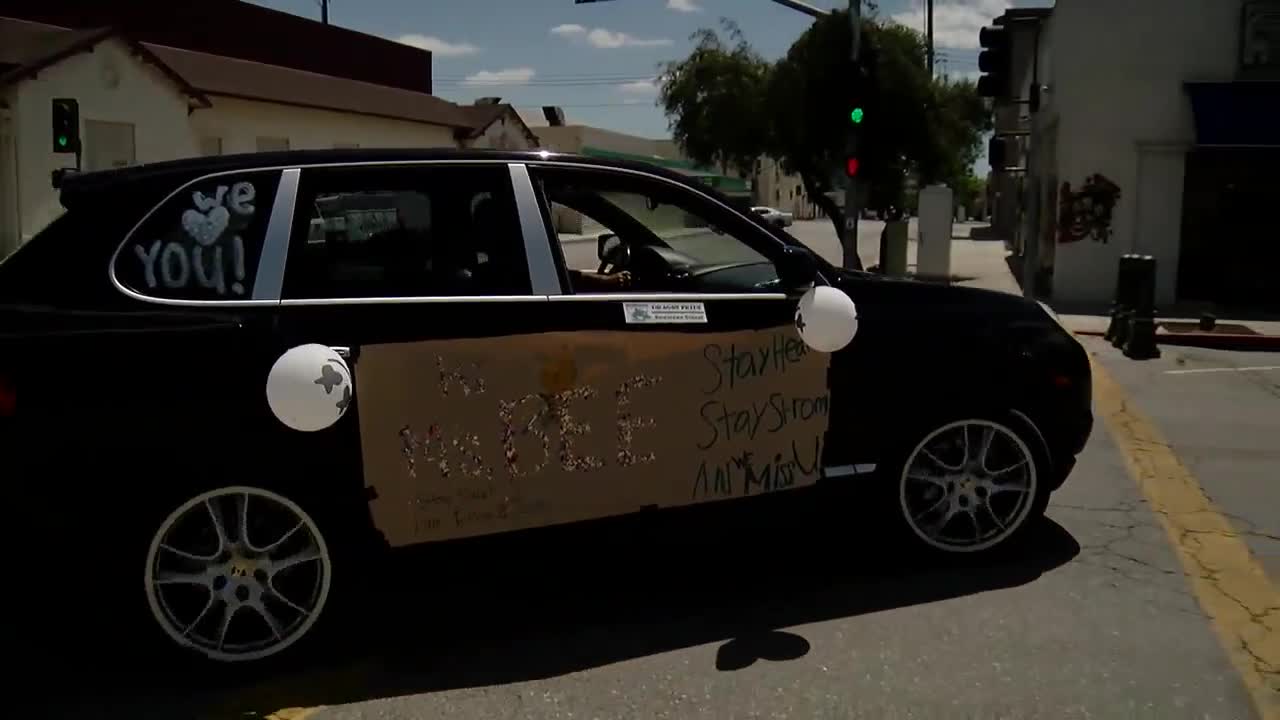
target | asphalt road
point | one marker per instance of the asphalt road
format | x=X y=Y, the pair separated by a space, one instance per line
x=777 y=615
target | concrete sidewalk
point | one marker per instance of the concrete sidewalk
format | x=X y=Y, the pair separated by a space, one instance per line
x=987 y=264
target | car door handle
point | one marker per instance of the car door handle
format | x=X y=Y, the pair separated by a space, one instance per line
x=343 y=351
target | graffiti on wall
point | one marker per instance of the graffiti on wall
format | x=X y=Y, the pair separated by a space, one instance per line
x=1087 y=212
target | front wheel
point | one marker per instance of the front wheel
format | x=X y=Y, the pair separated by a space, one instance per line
x=973 y=484
x=237 y=574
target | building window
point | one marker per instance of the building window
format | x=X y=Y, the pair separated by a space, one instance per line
x=272 y=144
x=108 y=145
x=210 y=146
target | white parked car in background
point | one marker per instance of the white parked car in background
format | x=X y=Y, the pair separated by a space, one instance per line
x=772 y=215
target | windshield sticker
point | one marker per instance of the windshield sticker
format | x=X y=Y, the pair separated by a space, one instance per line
x=564 y=427
x=664 y=312
x=209 y=251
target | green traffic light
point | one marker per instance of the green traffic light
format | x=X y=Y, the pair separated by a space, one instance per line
x=856 y=116
x=62 y=141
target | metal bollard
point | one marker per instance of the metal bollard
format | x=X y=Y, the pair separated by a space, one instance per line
x=1122 y=308
x=1140 y=340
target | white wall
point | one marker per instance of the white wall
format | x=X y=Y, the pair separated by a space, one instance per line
x=241 y=122
x=110 y=85
x=560 y=138
x=1118 y=73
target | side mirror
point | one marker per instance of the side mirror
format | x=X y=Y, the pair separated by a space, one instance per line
x=606 y=245
x=797 y=268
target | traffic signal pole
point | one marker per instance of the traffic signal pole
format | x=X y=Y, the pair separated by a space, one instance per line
x=849 y=239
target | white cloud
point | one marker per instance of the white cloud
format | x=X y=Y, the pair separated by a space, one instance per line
x=507 y=76
x=955 y=22
x=639 y=87
x=443 y=48
x=686 y=6
x=603 y=38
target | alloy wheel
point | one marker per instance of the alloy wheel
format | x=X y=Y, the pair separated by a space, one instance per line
x=968 y=485
x=237 y=574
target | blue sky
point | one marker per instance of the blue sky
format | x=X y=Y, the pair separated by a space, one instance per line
x=597 y=60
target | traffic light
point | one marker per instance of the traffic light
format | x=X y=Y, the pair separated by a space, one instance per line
x=66 y=125
x=995 y=62
x=855 y=114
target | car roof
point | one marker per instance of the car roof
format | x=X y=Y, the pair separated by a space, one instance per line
x=79 y=185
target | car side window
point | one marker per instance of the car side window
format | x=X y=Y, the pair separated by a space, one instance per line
x=661 y=237
x=579 y=235
x=204 y=242
x=436 y=231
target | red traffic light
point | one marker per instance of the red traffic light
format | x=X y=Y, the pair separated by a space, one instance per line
x=851 y=166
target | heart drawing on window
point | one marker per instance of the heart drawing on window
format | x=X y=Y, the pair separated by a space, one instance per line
x=206 y=228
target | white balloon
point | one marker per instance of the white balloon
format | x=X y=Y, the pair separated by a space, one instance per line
x=826 y=318
x=309 y=387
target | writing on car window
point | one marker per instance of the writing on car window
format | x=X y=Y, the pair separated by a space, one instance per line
x=203 y=243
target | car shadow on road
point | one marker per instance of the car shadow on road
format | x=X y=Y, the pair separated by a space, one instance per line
x=504 y=611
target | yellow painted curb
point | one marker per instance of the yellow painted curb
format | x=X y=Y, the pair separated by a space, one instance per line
x=292 y=714
x=1232 y=588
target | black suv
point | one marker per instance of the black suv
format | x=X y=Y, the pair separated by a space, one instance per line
x=252 y=367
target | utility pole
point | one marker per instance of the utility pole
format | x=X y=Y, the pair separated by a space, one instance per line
x=849 y=238
x=928 y=25
x=324 y=11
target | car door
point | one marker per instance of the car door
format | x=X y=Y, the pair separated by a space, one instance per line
x=415 y=273
x=713 y=393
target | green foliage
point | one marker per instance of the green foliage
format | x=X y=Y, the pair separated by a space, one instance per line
x=712 y=99
x=968 y=190
x=727 y=106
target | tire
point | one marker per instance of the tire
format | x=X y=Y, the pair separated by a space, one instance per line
x=277 y=592
x=995 y=502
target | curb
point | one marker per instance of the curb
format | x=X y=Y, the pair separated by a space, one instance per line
x=1212 y=341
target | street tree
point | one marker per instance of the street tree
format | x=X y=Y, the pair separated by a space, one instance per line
x=713 y=100
x=727 y=107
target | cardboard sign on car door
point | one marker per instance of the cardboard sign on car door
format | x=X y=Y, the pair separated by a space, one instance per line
x=468 y=437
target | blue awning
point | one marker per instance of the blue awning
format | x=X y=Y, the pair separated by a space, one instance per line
x=1243 y=113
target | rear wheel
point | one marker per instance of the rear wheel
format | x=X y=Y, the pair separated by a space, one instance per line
x=238 y=574
x=972 y=484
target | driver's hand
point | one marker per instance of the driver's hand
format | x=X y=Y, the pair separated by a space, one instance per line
x=622 y=279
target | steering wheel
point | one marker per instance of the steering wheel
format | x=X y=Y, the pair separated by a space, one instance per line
x=616 y=260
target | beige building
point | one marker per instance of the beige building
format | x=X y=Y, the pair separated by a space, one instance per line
x=1155 y=135
x=142 y=102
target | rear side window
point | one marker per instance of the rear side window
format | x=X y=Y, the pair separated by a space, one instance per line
x=204 y=242
x=388 y=232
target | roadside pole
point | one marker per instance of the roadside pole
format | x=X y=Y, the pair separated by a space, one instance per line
x=849 y=239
